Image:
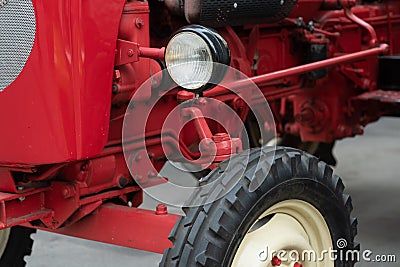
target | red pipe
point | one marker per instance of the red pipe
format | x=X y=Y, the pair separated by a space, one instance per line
x=350 y=15
x=266 y=78
x=168 y=138
x=154 y=53
x=200 y=123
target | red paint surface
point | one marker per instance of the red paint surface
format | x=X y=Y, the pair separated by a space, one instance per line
x=58 y=109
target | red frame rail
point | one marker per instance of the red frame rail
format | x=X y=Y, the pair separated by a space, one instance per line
x=124 y=226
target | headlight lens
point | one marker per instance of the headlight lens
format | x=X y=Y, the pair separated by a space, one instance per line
x=190 y=58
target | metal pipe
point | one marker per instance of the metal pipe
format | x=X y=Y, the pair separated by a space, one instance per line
x=269 y=77
x=154 y=53
x=168 y=138
x=350 y=15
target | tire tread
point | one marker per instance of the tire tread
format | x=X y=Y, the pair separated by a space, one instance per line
x=217 y=223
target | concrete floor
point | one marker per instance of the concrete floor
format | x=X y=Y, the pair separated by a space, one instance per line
x=369 y=165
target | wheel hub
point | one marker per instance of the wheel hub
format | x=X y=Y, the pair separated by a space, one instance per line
x=292 y=228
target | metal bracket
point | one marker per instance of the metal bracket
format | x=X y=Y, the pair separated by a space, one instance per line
x=126 y=52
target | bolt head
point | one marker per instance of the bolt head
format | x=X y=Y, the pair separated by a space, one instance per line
x=122 y=182
x=66 y=192
x=139 y=23
x=161 y=209
x=138 y=157
x=85 y=167
x=276 y=261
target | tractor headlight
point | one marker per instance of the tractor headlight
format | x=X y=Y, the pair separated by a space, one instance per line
x=190 y=56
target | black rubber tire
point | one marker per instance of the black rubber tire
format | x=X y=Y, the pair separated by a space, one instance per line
x=323 y=151
x=18 y=246
x=209 y=235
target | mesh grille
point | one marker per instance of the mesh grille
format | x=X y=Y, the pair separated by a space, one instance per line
x=17 y=34
x=239 y=12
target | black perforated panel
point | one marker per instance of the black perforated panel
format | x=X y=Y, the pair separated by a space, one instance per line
x=229 y=12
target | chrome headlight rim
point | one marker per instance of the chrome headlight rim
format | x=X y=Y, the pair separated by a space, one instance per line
x=219 y=52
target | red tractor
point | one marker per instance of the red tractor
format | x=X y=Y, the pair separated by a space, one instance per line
x=97 y=97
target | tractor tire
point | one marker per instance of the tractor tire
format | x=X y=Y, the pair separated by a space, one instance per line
x=15 y=244
x=323 y=151
x=299 y=205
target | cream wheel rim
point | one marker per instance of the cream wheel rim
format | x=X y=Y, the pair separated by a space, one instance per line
x=4 y=235
x=295 y=229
